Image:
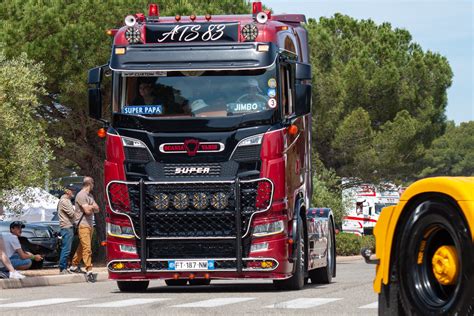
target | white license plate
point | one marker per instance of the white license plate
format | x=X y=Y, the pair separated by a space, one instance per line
x=186 y=265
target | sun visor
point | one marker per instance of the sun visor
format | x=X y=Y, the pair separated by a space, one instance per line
x=169 y=57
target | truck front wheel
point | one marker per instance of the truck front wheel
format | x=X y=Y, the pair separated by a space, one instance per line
x=434 y=261
x=296 y=281
x=133 y=286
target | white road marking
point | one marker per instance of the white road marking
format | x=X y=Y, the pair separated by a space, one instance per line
x=48 y=301
x=215 y=302
x=372 y=305
x=303 y=303
x=126 y=303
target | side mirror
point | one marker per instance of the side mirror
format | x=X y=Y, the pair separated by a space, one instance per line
x=95 y=103
x=95 y=76
x=303 y=99
x=302 y=71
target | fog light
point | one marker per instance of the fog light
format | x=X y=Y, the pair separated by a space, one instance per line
x=200 y=200
x=267 y=264
x=118 y=266
x=259 y=247
x=180 y=201
x=219 y=201
x=162 y=201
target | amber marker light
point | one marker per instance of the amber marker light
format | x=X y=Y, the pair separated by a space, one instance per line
x=293 y=130
x=193 y=17
x=191 y=276
x=290 y=241
x=177 y=17
x=208 y=17
x=103 y=243
x=175 y=276
x=120 y=51
x=207 y=276
x=101 y=133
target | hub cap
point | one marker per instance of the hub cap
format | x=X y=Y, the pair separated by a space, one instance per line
x=445 y=265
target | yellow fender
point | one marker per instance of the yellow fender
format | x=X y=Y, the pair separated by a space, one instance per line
x=460 y=189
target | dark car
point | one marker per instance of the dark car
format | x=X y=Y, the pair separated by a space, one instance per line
x=37 y=239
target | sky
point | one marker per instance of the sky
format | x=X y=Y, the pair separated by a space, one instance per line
x=442 y=26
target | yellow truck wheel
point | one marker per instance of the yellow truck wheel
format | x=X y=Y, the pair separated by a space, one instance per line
x=434 y=261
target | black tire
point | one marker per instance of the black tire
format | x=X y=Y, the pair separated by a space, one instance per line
x=389 y=304
x=431 y=224
x=324 y=275
x=200 y=282
x=179 y=282
x=133 y=286
x=296 y=281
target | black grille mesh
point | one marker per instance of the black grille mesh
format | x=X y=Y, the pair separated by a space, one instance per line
x=161 y=249
x=186 y=170
x=187 y=210
x=247 y=153
x=137 y=154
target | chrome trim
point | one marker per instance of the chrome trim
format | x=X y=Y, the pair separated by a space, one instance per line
x=195 y=69
x=222 y=147
x=188 y=182
x=138 y=140
x=206 y=271
x=238 y=144
x=292 y=143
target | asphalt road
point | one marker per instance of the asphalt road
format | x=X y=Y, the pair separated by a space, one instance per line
x=350 y=294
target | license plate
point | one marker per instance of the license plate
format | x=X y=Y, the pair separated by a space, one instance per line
x=186 y=265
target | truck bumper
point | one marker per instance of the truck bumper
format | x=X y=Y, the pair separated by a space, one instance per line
x=271 y=263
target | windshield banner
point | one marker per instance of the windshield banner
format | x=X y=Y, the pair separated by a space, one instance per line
x=195 y=32
x=143 y=109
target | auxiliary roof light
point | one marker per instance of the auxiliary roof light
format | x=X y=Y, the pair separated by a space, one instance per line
x=192 y=17
x=130 y=20
x=133 y=35
x=256 y=7
x=250 y=32
x=208 y=17
x=153 y=10
x=177 y=17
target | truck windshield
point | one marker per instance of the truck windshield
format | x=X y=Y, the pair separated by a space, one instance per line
x=198 y=93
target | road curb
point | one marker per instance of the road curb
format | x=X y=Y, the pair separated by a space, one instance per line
x=348 y=258
x=47 y=280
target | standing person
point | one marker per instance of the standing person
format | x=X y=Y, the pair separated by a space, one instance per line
x=6 y=266
x=66 y=222
x=84 y=213
x=20 y=259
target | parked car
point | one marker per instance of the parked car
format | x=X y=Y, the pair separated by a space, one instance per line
x=37 y=239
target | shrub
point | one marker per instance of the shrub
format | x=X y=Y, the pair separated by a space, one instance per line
x=350 y=244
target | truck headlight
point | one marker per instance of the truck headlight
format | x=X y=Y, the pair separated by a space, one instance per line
x=269 y=229
x=120 y=231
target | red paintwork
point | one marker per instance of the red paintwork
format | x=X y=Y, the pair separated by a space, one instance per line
x=283 y=156
x=275 y=30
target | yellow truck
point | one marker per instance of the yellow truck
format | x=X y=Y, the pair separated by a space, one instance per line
x=424 y=250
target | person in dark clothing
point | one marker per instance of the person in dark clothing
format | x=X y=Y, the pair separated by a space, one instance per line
x=146 y=95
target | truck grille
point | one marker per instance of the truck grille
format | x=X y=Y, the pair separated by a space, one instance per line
x=194 y=249
x=190 y=210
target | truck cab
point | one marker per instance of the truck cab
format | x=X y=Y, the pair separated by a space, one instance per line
x=208 y=169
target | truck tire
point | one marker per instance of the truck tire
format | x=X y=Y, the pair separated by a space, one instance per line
x=324 y=275
x=133 y=286
x=200 y=282
x=179 y=282
x=296 y=281
x=389 y=302
x=436 y=273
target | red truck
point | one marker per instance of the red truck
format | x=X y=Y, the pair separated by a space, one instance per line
x=208 y=166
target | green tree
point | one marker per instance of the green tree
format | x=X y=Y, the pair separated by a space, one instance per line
x=378 y=98
x=68 y=37
x=453 y=153
x=24 y=145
